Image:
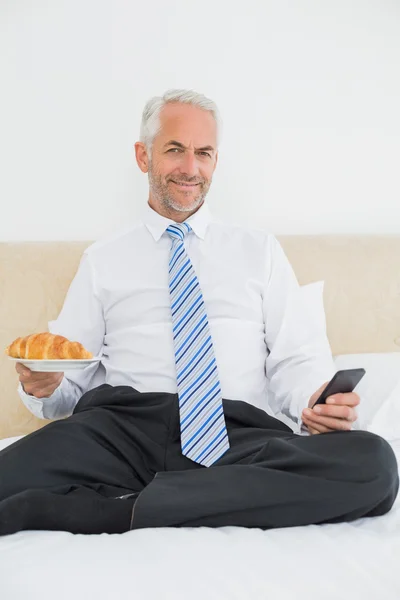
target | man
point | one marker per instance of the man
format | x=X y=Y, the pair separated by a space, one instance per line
x=203 y=338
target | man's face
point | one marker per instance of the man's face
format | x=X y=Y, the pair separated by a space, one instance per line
x=183 y=160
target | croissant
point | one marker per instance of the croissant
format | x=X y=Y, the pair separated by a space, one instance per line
x=46 y=346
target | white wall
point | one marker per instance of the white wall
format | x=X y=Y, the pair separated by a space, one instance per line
x=309 y=92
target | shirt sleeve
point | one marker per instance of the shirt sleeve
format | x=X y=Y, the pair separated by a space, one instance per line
x=299 y=358
x=81 y=319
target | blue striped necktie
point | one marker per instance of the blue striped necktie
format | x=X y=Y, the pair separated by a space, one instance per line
x=204 y=438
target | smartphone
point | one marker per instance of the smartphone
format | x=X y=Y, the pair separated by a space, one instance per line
x=342 y=382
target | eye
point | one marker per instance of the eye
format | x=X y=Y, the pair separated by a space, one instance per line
x=173 y=150
x=205 y=154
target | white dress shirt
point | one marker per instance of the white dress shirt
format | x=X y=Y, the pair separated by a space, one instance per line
x=118 y=307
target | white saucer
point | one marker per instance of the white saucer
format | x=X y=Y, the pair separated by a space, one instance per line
x=50 y=365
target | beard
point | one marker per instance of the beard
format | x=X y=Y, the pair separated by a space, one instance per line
x=161 y=190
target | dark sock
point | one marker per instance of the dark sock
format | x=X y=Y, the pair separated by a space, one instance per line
x=77 y=513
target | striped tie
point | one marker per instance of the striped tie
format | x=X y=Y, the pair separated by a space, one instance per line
x=204 y=438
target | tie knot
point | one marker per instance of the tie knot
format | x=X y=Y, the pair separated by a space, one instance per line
x=177 y=231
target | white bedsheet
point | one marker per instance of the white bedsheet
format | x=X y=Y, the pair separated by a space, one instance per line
x=357 y=560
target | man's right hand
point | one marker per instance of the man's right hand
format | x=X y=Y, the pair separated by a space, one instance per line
x=38 y=384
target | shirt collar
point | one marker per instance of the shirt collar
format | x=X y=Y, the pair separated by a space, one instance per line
x=157 y=224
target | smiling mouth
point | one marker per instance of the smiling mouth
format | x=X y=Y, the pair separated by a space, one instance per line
x=183 y=184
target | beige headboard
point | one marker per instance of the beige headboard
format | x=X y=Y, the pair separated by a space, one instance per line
x=362 y=297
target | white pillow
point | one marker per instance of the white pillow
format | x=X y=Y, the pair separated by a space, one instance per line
x=386 y=421
x=313 y=298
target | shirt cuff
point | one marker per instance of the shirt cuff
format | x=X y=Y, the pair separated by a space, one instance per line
x=39 y=406
x=303 y=429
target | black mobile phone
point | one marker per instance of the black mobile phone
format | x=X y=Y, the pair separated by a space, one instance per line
x=342 y=382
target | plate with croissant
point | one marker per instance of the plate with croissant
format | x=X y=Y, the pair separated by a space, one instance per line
x=49 y=352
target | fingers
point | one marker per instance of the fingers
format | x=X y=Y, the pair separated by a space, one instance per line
x=348 y=399
x=43 y=388
x=20 y=368
x=329 y=423
x=37 y=383
x=338 y=412
x=315 y=427
x=23 y=372
x=313 y=431
x=309 y=426
x=27 y=375
x=42 y=392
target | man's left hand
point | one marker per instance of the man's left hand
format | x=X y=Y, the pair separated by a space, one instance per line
x=337 y=414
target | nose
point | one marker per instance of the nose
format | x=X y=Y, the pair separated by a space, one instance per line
x=189 y=165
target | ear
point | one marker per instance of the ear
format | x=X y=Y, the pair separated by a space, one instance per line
x=142 y=157
x=216 y=161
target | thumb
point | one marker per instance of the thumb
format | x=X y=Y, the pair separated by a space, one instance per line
x=21 y=369
x=317 y=394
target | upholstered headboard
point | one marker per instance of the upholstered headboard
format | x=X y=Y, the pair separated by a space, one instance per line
x=361 y=295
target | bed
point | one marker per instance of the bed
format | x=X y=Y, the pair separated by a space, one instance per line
x=357 y=560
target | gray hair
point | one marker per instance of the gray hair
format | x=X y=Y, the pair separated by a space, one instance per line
x=150 y=125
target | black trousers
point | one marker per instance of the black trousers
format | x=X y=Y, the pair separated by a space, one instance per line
x=119 y=440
